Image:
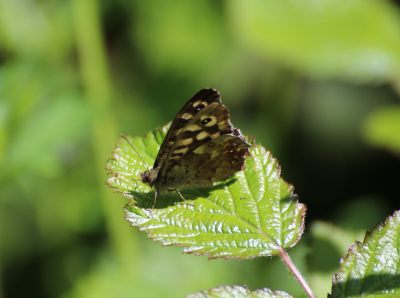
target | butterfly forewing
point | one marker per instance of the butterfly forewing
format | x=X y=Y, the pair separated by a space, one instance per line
x=209 y=123
x=200 y=147
x=183 y=119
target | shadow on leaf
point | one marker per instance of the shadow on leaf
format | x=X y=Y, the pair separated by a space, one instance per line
x=372 y=284
x=169 y=198
x=289 y=199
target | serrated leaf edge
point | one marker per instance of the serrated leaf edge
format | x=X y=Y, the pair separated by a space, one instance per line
x=357 y=246
x=140 y=218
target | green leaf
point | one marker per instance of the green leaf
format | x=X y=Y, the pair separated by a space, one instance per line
x=358 y=39
x=238 y=292
x=382 y=128
x=253 y=214
x=372 y=268
x=326 y=245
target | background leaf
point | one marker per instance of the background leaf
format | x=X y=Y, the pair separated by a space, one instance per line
x=326 y=244
x=372 y=267
x=253 y=214
x=238 y=292
x=382 y=128
x=357 y=40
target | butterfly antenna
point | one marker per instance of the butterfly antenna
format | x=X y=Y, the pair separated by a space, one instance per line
x=134 y=149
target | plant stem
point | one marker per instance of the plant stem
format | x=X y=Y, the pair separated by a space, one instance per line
x=96 y=83
x=296 y=273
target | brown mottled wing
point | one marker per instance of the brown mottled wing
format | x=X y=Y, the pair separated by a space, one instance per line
x=201 y=146
x=216 y=160
x=202 y=119
x=207 y=96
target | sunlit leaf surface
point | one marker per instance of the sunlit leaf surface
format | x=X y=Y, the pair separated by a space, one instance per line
x=372 y=268
x=238 y=292
x=253 y=214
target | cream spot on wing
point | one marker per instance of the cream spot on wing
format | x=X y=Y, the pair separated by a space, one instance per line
x=222 y=125
x=170 y=143
x=179 y=131
x=185 y=142
x=193 y=127
x=199 y=102
x=196 y=103
x=215 y=135
x=202 y=135
x=200 y=150
x=186 y=116
x=181 y=150
x=214 y=154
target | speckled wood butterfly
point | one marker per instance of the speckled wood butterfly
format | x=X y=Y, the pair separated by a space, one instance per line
x=200 y=148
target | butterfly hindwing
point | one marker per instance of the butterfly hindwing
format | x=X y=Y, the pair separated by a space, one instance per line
x=215 y=160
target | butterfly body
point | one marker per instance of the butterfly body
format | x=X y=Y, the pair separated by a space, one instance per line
x=201 y=146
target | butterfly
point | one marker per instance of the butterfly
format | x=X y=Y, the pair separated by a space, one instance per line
x=201 y=147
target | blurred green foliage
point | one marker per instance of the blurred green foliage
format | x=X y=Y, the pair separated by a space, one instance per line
x=315 y=81
x=383 y=126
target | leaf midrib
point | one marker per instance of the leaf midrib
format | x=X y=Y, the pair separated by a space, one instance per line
x=369 y=261
x=259 y=229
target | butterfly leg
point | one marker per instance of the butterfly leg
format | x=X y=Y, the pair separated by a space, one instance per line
x=183 y=199
x=179 y=193
x=155 y=199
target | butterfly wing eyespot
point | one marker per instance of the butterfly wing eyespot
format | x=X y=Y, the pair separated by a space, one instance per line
x=208 y=120
x=199 y=105
x=205 y=120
